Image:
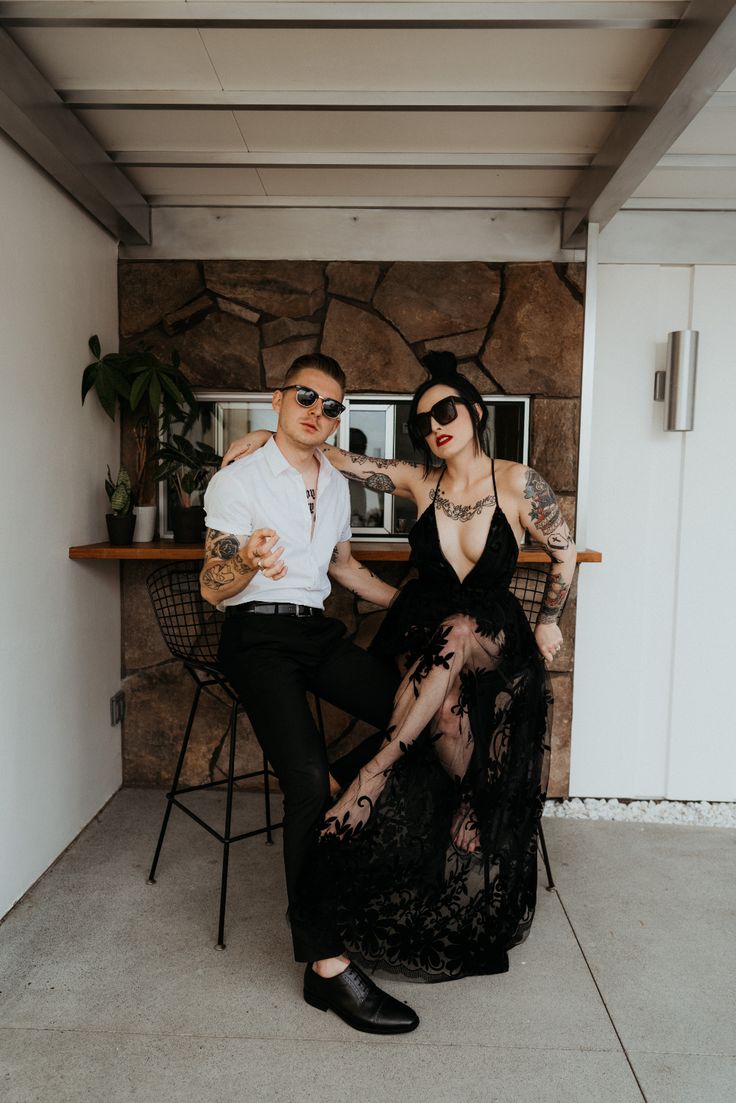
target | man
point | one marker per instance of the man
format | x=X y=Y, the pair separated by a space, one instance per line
x=277 y=522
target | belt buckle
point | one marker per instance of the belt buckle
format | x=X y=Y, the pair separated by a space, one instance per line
x=298 y=611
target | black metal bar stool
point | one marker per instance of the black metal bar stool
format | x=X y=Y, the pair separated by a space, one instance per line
x=191 y=630
x=528 y=585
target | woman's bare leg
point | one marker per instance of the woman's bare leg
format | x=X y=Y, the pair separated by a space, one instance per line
x=419 y=698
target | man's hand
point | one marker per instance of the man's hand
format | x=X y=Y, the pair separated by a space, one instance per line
x=251 y=442
x=260 y=555
x=230 y=565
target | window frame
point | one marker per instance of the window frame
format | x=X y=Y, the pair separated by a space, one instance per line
x=387 y=400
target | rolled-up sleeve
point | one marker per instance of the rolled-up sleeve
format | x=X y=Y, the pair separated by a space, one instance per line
x=225 y=507
x=346 y=532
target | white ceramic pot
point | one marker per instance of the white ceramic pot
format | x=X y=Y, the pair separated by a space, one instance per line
x=145 y=524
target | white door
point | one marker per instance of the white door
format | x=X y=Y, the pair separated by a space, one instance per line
x=652 y=715
x=702 y=744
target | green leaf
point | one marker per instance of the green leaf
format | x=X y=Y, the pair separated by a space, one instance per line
x=106 y=391
x=154 y=394
x=122 y=382
x=94 y=344
x=170 y=389
x=88 y=379
x=139 y=388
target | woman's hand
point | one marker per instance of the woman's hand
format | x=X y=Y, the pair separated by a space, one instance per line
x=251 y=442
x=549 y=640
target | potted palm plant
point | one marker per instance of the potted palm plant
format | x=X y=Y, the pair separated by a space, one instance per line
x=187 y=468
x=121 y=521
x=143 y=387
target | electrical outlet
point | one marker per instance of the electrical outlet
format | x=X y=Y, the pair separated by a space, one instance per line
x=117 y=707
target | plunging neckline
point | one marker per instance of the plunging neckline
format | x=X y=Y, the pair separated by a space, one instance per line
x=479 y=560
x=497 y=510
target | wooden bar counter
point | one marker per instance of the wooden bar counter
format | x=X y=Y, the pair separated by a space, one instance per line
x=394 y=551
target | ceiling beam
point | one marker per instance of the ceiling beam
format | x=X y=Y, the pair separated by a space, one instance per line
x=234 y=158
x=34 y=117
x=533 y=14
x=313 y=159
x=384 y=202
x=185 y=99
x=696 y=59
x=680 y=204
x=722 y=101
x=698 y=161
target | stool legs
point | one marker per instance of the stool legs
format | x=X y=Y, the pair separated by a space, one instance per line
x=220 y=945
x=175 y=784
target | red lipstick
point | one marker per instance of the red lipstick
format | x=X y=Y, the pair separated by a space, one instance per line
x=442 y=438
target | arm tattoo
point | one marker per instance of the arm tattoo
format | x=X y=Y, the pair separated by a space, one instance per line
x=559 y=541
x=545 y=514
x=372 y=480
x=382 y=484
x=358 y=458
x=218 y=576
x=223 y=545
x=553 y=602
x=335 y=554
x=544 y=511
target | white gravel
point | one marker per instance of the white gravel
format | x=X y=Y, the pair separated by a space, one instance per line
x=700 y=813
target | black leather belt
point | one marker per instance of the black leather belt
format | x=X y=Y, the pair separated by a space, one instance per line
x=285 y=608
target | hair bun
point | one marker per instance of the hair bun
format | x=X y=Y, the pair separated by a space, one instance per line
x=440 y=365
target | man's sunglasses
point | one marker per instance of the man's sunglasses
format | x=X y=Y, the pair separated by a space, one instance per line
x=443 y=413
x=306 y=397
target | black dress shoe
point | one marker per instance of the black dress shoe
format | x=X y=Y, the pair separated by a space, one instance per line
x=358 y=1001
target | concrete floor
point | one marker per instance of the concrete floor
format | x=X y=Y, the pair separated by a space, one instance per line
x=112 y=991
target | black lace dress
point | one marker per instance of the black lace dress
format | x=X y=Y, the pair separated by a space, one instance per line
x=429 y=858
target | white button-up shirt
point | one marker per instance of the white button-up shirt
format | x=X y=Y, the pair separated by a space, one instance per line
x=263 y=490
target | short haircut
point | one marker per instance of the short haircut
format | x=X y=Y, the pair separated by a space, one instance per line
x=443 y=369
x=319 y=362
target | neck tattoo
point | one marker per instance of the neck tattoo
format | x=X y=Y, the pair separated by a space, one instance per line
x=457 y=512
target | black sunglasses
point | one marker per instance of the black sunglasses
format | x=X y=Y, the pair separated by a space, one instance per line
x=307 y=397
x=443 y=413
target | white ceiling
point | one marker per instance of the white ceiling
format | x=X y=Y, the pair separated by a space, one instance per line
x=285 y=64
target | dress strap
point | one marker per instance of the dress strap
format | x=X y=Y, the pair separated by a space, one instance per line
x=493 y=473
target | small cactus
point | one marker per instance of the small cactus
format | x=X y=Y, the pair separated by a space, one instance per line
x=119 y=492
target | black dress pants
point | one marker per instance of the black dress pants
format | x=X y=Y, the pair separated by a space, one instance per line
x=271 y=661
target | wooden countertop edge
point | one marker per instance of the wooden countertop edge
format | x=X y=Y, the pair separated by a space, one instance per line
x=362 y=549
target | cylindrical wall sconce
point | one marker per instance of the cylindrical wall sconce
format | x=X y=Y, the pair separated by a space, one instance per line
x=676 y=386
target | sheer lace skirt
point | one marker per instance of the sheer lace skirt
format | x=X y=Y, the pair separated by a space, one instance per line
x=428 y=858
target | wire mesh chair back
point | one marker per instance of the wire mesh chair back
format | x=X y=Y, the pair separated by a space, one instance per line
x=528 y=584
x=190 y=626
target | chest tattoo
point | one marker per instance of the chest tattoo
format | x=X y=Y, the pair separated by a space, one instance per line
x=457 y=512
x=312 y=502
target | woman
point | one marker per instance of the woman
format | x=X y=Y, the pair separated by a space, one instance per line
x=428 y=856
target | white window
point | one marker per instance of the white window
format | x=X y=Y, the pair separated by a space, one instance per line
x=372 y=424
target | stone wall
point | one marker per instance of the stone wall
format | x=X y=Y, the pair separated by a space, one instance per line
x=516 y=329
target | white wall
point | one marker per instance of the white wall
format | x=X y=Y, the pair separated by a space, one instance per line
x=651 y=709
x=59 y=619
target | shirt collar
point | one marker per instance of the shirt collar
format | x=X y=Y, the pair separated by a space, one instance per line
x=278 y=462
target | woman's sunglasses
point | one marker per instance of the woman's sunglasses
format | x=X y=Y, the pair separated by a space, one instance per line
x=443 y=413
x=306 y=397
